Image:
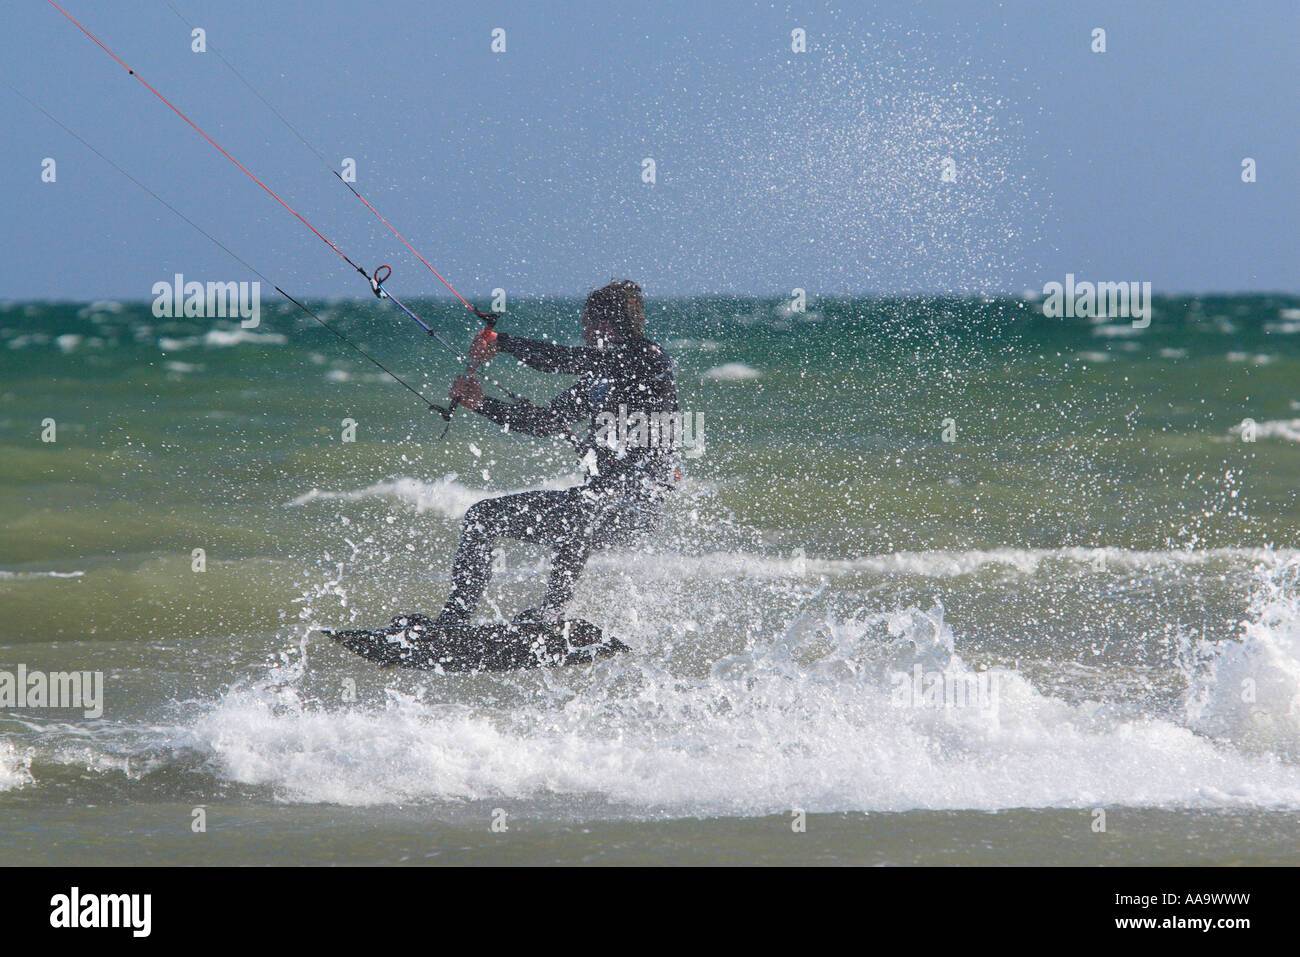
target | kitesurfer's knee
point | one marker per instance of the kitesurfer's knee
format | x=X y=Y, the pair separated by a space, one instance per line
x=479 y=530
x=477 y=517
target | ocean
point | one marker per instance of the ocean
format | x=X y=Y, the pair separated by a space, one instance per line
x=948 y=582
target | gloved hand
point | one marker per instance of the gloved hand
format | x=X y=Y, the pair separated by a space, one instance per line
x=468 y=390
x=483 y=348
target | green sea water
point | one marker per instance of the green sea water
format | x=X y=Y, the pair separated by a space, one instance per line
x=1095 y=523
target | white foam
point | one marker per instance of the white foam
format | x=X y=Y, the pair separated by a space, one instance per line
x=1288 y=429
x=732 y=372
x=938 y=563
x=446 y=496
x=808 y=719
x=234 y=337
x=28 y=576
x=15 y=767
x=223 y=338
x=1114 y=331
x=1247 y=691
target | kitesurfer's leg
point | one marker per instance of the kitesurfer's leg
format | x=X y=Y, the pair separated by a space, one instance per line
x=535 y=517
x=612 y=521
x=570 y=559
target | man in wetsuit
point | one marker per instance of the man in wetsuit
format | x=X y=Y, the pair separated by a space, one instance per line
x=620 y=374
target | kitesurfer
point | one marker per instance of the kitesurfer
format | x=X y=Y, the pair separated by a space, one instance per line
x=620 y=373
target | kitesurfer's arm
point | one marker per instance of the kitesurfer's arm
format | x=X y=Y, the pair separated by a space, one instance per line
x=570 y=405
x=552 y=357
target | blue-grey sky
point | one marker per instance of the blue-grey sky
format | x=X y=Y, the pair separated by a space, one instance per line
x=774 y=169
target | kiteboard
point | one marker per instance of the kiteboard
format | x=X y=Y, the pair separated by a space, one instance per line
x=415 y=641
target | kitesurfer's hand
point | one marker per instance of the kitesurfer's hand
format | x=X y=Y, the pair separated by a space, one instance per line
x=468 y=390
x=483 y=348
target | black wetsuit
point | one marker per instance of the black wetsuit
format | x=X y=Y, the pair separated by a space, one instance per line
x=622 y=497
